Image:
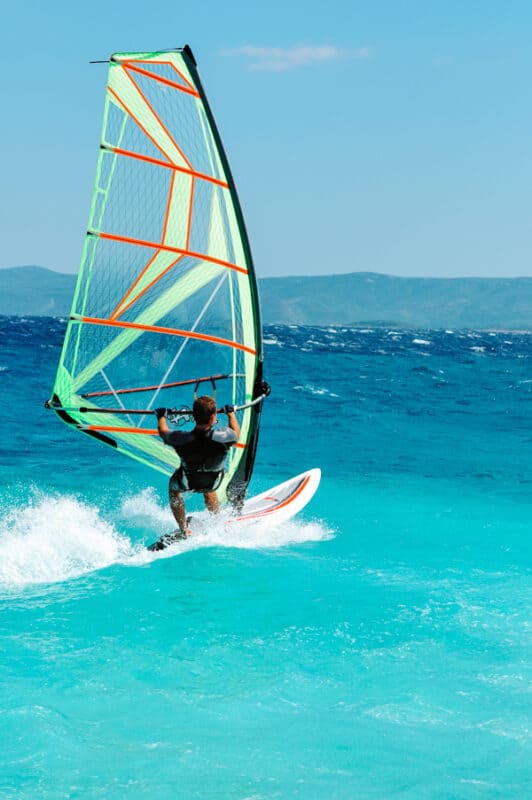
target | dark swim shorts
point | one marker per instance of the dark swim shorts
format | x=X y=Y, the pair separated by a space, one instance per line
x=182 y=481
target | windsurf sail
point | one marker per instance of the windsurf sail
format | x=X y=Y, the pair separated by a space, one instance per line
x=166 y=303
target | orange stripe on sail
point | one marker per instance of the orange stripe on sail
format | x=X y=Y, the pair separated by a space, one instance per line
x=170 y=331
x=157 y=117
x=157 y=162
x=190 y=207
x=187 y=89
x=183 y=77
x=156 y=246
x=118 y=310
x=138 y=431
x=166 y=63
x=139 y=123
x=119 y=429
x=146 y=288
x=168 y=205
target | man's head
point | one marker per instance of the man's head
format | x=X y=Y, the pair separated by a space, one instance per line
x=203 y=409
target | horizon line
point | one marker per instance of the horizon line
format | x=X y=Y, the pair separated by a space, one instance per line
x=318 y=275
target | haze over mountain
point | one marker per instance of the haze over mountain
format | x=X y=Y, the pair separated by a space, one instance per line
x=358 y=298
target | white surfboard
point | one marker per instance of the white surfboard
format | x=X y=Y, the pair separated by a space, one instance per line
x=281 y=502
x=273 y=506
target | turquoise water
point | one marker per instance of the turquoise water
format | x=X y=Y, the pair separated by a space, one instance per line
x=377 y=646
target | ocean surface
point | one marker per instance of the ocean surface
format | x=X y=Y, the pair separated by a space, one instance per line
x=378 y=646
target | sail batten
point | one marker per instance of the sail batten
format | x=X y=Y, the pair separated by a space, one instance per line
x=167 y=248
x=166 y=165
x=166 y=282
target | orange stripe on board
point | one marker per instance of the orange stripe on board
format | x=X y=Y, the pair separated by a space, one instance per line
x=195 y=174
x=157 y=117
x=137 y=326
x=187 y=89
x=275 y=508
x=141 y=126
x=157 y=246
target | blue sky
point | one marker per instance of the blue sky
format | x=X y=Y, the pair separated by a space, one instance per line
x=393 y=136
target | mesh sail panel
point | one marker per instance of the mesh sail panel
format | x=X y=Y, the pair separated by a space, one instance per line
x=166 y=301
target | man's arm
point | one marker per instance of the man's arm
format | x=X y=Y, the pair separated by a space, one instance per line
x=162 y=425
x=232 y=420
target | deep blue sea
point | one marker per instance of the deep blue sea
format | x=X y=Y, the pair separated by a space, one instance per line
x=378 y=646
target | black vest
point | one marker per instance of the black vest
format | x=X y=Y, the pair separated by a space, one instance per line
x=201 y=451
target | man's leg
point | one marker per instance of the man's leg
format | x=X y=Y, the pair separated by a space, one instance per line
x=211 y=502
x=178 y=510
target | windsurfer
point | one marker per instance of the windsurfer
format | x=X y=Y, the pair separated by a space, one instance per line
x=202 y=452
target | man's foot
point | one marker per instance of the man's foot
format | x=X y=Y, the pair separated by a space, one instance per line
x=170 y=538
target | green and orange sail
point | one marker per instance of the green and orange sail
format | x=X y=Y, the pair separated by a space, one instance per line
x=166 y=302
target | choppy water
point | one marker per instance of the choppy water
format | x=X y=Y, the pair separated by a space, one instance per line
x=378 y=646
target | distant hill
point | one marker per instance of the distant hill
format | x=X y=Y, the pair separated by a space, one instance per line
x=35 y=291
x=372 y=298
x=358 y=298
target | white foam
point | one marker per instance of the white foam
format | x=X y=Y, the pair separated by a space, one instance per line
x=255 y=536
x=209 y=531
x=316 y=390
x=54 y=539
x=144 y=509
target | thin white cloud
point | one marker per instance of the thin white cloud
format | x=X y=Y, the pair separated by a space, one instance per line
x=280 y=59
